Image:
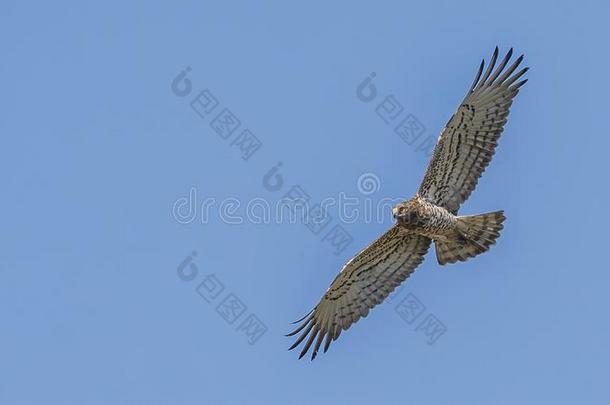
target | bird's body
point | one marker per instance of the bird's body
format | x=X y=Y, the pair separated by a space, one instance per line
x=424 y=218
x=463 y=151
x=456 y=237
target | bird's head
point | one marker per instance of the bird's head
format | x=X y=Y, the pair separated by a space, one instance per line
x=407 y=213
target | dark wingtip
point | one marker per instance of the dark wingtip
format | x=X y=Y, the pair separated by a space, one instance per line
x=306 y=328
x=327 y=343
x=299 y=320
x=476 y=79
x=521 y=83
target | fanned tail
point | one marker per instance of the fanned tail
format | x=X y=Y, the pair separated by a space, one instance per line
x=474 y=235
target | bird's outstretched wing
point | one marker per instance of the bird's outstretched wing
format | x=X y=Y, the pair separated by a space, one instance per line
x=365 y=281
x=468 y=141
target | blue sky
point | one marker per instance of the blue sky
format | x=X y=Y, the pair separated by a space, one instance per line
x=100 y=301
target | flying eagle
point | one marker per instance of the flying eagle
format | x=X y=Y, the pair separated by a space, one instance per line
x=463 y=151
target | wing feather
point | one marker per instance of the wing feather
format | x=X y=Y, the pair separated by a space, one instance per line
x=364 y=282
x=468 y=141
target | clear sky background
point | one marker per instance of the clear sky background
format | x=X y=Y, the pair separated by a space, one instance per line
x=97 y=149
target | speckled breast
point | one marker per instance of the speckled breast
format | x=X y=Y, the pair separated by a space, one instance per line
x=437 y=220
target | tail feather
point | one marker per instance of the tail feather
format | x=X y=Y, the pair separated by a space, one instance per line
x=474 y=235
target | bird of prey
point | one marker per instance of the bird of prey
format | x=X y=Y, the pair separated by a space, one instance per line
x=462 y=152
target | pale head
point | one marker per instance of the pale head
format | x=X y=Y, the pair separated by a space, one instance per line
x=408 y=213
